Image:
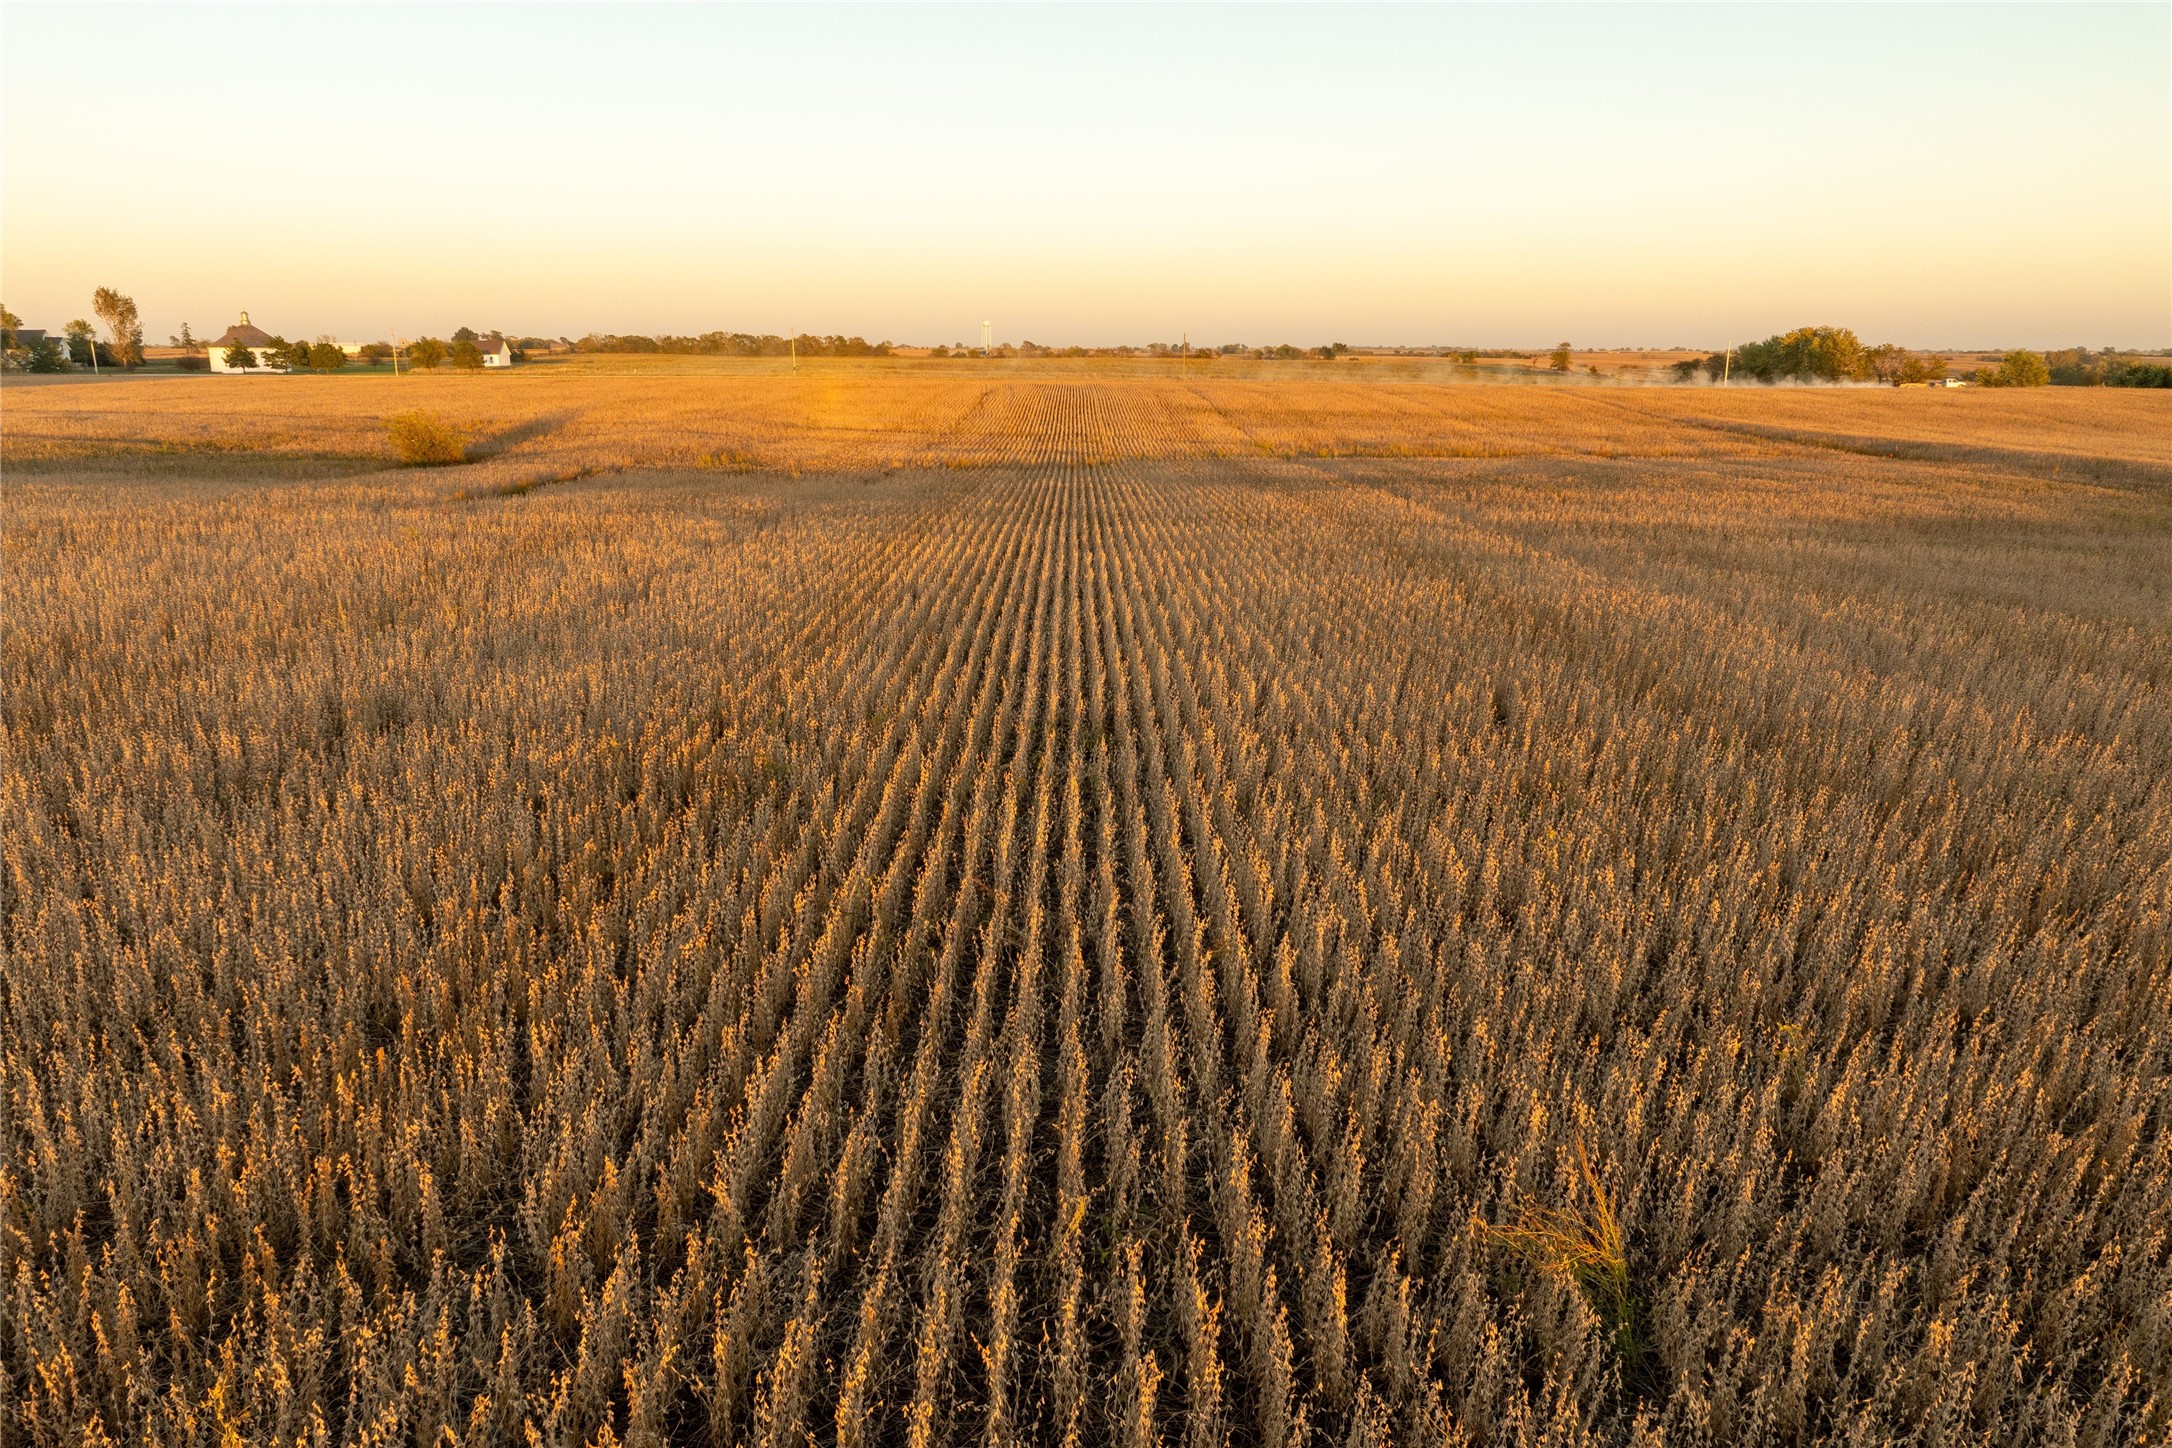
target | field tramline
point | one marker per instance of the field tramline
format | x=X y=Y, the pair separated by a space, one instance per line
x=1098 y=912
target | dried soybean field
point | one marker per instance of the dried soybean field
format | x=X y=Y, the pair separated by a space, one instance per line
x=898 y=906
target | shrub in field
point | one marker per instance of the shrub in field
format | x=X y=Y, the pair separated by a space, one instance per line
x=423 y=439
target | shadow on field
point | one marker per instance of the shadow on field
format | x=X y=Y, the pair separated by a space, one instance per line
x=494 y=444
x=171 y=462
x=2045 y=465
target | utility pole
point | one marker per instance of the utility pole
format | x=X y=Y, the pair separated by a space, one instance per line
x=987 y=339
x=395 y=331
x=1727 y=364
x=795 y=349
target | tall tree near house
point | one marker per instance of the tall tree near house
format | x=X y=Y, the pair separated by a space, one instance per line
x=467 y=355
x=465 y=334
x=119 y=315
x=82 y=342
x=425 y=352
x=240 y=358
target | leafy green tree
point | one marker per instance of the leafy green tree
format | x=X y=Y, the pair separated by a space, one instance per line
x=2018 y=369
x=1686 y=369
x=81 y=343
x=426 y=353
x=326 y=357
x=467 y=356
x=376 y=354
x=240 y=358
x=1896 y=365
x=1807 y=354
x=119 y=315
x=466 y=334
x=1561 y=361
x=46 y=356
x=8 y=323
x=2027 y=369
x=1825 y=354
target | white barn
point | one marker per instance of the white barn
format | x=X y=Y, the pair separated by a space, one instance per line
x=256 y=339
x=497 y=352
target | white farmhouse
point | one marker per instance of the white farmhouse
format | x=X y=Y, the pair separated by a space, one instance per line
x=497 y=352
x=256 y=339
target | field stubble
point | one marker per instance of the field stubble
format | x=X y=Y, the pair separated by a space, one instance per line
x=1086 y=910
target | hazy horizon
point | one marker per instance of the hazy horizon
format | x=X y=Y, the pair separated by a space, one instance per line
x=1953 y=177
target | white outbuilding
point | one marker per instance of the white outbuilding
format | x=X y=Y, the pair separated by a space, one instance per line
x=497 y=352
x=242 y=334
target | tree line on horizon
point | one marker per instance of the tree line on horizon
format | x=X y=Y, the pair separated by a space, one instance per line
x=464 y=351
x=733 y=344
x=1836 y=354
x=1820 y=354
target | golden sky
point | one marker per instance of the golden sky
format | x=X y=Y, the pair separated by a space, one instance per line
x=1947 y=175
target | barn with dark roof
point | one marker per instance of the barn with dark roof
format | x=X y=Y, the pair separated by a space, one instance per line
x=242 y=334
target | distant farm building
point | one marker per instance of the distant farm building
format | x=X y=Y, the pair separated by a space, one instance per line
x=497 y=352
x=242 y=334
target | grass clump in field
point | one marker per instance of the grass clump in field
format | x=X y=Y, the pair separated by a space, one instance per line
x=1586 y=1248
x=423 y=439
